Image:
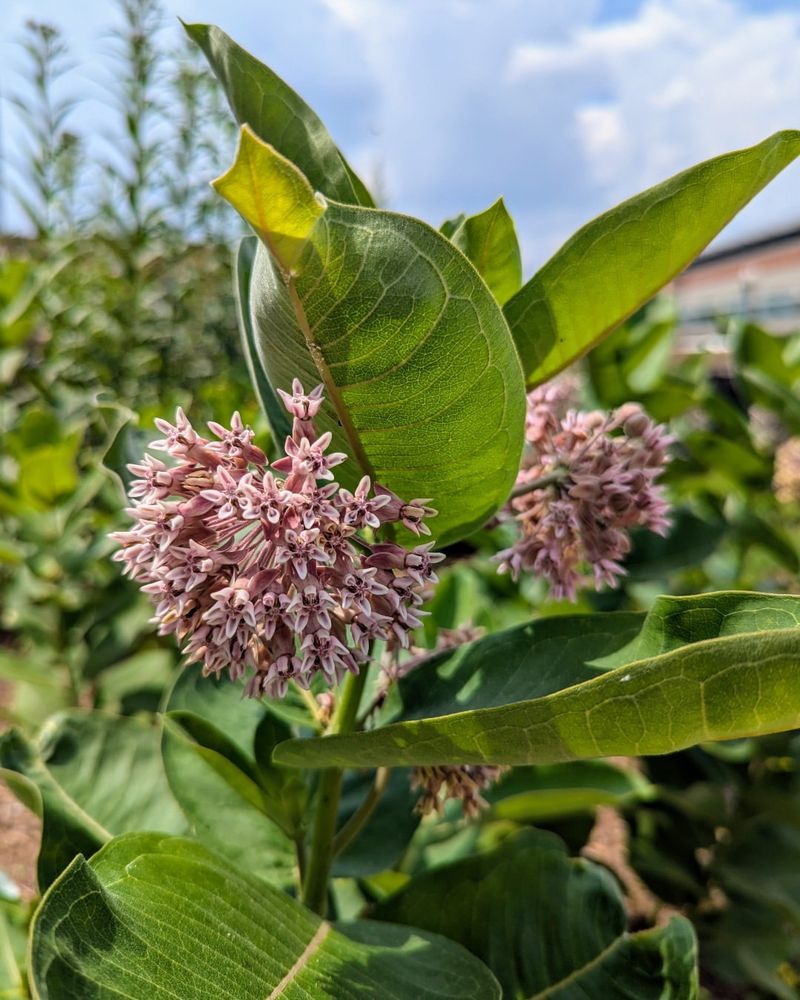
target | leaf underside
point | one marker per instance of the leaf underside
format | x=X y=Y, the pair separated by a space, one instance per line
x=711 y=667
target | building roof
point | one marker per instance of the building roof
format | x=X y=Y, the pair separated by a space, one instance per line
x=743 y=248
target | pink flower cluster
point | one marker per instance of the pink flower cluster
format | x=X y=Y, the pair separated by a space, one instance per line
x=587 y=478
x=270 y=574
x=463 y=782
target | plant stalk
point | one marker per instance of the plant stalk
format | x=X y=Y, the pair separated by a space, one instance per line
x=358 y=820
x=538 y=484
x=315 y=883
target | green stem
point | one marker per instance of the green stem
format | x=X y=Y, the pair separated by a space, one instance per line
x=300 y=852
x=538 y=484
x=315 y=883
x=311 y=704
x=358 y=820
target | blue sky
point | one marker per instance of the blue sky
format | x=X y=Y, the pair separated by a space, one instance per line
x=563 y=106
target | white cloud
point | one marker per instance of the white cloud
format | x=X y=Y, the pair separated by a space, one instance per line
x=685 y=80
x=604 y=139
x=565 y=115
x=455 y=102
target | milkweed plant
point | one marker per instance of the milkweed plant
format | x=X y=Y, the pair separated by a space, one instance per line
x=317 y=738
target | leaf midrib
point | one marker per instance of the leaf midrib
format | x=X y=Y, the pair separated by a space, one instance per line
x=332 y=389
x=309 y=951
x=576 y=974
x=41 y=768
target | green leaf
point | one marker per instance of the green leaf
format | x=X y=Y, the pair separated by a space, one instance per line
x=769 y=392
x=211 y=778
x=284 y=219
x=423 y=383
x=138 y=679
x=619 y=260
x=527 y=661
x=218 y=701
x=735 y=461
x=548 y=925
x=48 y=473
x=11 y=984
x=547 y=792
x=635 y=358
x=490 y=241
x=767 y=353
x=151 y=918
x=259 y=98
x=712 y=667
x=89 y=776
x=274 y=410
x=449 y=226
x=691 y=539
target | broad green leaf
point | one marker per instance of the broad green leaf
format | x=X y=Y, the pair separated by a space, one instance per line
x=138 y=680
x=259 y=98
x=285 y=217
x=548 y=925
x=490 y=241
x=691 y=539
x=423 y=383
x=218 y=701
x=95 y=776
x=274 y=410
x=284 y=786
x=264 y=805
x=547 y=792
x=712 y=667
x=619 y=260
x=527 y=661
x=153 y=918
x=210 y=778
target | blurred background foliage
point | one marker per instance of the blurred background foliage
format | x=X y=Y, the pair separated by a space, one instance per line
x=119 y=307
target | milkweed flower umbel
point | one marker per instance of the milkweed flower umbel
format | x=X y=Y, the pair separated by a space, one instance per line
x=461 y=782
x=587 y=478
x=262 y=571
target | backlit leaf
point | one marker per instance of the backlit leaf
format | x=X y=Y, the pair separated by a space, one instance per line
x=619 y=260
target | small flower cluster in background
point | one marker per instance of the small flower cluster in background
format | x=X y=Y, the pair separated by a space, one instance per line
x=265 y=575
x=587 y=478
x=787 y=471
x=462 y=782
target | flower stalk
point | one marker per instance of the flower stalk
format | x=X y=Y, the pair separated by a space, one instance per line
x=351 y=829
x=321 y=855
